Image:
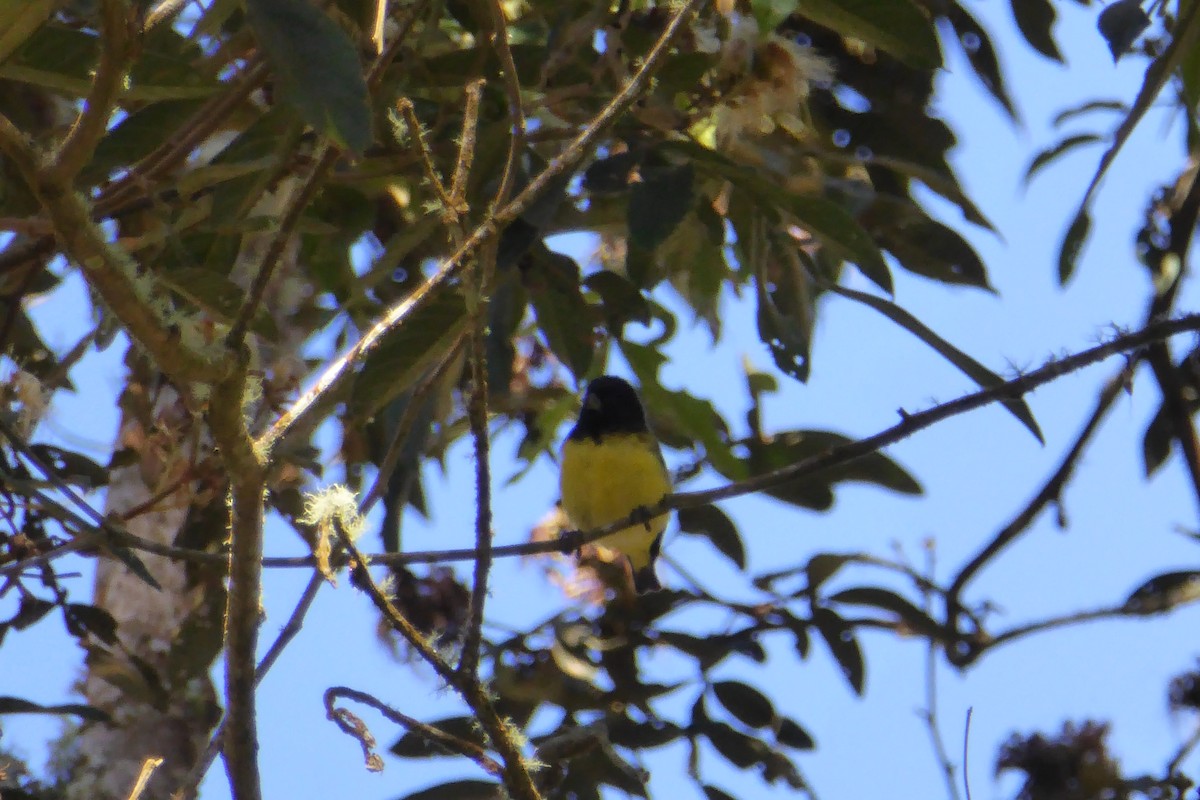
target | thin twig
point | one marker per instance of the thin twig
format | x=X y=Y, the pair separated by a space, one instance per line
x=572 y=540
x=417 y=132
x=931 y=691
x=1050 y=491
x=512 y=89
x=477 y=411
x=435 y=735
x=1182 y=753
x=247 y=472
x=516 y=775
x=967 y=752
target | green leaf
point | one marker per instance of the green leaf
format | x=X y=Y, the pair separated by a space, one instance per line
x=317 y=67
x=659 y=202
x=407 y=352
x=898 y=26
x=914 y=618
x=19 y=21
x=563 y=314
x=842 y=643
x=745 y=703
x=1044 y=157
x=713 y=524
x=824 y=219
x=29 y=610
x=217 y=296
x=983 y=376
x=738 y=749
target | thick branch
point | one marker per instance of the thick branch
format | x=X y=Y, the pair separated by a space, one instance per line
x=109 y=270
x=116 y=52
x=247 y=475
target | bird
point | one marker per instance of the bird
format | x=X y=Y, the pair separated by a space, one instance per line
x=611 y=467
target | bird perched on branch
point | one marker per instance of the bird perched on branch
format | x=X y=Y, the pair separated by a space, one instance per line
x=611 y=467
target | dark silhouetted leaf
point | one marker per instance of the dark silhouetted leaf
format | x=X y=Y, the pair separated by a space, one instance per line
x=1068 y=114
x=1044 y=157
x=82 y=619
x=658 y=203
x=1068 y=254
x=15 y=705
x=821 y=568
x=745 y=703
x=981 y=54
x=790 y=733
x=738 y=749
x=70 y=466
x=898 y=26
x=1121 y=24
x=715 y=525
x=983 y=376
x=414 y=745
x=29 y=610
x=613 y=174
x=915 y=619
x=624 y=732
x=563 y=314
x=816 y=491
x=1164 y=592
x=843 y=645
x=713 y=793
x=1035 y=18
x=459 y=790
x=1156 y=441
x=620 y=300
x=317 y=67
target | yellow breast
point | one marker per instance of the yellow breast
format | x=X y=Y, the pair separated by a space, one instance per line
x=603 y=482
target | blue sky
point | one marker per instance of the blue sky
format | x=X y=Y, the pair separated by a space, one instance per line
x=977 y=471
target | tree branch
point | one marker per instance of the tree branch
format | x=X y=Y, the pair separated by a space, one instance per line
x=112 y=273
x=116 y=52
